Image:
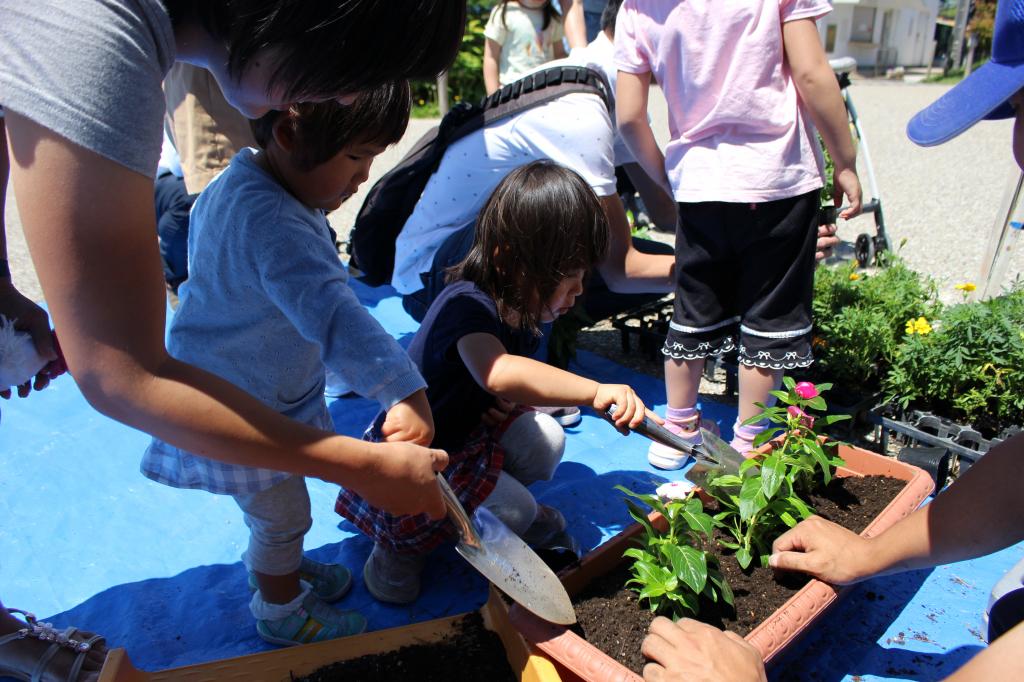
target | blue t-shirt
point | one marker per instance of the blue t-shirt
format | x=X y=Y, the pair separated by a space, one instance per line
x=457 y=401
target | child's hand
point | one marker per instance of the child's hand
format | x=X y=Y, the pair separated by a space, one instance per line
x=402 y=480
x=410 y=421
x=629 y=409
x=497 y=413
x=846 y=182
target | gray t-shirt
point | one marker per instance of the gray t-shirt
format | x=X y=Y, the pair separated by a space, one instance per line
x=90 y=70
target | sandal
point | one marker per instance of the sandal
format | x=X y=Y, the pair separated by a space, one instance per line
x=330 y=582
x=60 y=639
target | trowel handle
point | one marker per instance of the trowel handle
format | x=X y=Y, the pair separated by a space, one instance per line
x=659 y=434
x=457 y=513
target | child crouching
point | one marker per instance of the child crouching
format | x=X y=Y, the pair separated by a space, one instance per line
x=267 y=306
x=537 y=236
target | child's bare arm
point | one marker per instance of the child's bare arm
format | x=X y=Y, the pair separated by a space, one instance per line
x=410 y=420
x=529 y=382
x=492 y=53
x=575 y=23
x=819 y=91
x=631 y=92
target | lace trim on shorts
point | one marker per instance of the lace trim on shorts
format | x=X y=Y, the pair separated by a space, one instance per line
x=703 y=349
x=769 y=360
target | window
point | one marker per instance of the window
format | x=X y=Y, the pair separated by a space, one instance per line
x=863 y=30
x=830 y=38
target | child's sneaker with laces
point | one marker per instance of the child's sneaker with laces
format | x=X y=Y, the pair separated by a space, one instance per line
x=330 y=582
x=663 y=457
x=312 y=621
x=392 y=577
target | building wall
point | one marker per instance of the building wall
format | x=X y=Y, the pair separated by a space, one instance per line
x=910 y=34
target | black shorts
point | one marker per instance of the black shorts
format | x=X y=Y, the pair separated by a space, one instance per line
x=745 y=275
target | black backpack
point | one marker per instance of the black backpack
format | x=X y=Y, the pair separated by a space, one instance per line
x=392 y=198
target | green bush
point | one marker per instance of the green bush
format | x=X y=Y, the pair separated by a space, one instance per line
x=968 y=366
x=859 y=321
x=466 y=76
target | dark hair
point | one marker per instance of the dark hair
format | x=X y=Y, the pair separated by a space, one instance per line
x=611 y=10
x=323 y=129
x=550 y=13
x=327 y=48
x=541 y=224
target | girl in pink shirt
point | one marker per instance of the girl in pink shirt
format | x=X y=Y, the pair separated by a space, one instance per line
x=746 y=84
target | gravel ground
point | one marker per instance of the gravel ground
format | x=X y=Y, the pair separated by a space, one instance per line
x=942 y=201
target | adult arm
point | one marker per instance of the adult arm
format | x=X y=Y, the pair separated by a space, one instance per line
x=625 y=269
x=982 y=512
x=492 y=52
x=528 y=382
x=1001 y=660
x=575 y=23
x=89 y=225
x=819 y=91
x=631 y=94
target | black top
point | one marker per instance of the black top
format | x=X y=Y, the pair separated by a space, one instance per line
x=456 y=399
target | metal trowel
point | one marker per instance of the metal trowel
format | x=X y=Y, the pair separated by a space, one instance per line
x=713 y=457
x=503 y=558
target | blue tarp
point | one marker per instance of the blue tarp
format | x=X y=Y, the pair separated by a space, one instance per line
x=88 y=540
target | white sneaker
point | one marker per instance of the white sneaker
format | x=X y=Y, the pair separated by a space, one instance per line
x=663 y=457
x=566 y=416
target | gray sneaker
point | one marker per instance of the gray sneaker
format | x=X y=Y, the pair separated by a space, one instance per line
x=391 y=577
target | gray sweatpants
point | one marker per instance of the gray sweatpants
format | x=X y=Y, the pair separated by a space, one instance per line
x=278 y=519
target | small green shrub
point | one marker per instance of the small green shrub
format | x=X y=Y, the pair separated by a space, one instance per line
x=466 y=76
x=859 y=321
x=670 y=571
x=968 y=366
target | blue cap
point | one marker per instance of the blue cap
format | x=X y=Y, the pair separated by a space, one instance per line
x=985 y=92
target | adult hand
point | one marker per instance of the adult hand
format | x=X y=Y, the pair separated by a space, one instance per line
x=824 y=550
x=410 y=421
x=846 y=182
x=827 y=241
x=497 y=413
x=690 y=651
x=629 y=408
x=27 y=316
x=402 y=480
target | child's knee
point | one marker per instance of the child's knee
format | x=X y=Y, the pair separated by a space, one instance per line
x=534 y=445
x=511 y=502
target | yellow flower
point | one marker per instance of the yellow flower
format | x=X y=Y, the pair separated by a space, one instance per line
x=918 y=326
x=421 y=103
x=966 y=287
x=854 y=276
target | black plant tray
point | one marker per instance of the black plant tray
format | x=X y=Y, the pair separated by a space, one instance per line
x=934 y=443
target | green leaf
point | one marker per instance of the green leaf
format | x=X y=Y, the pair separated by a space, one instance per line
x=817 y=403
x=822 y=459
x=781 y=395
x=744 y=557
x=692 y=568
x=640 y=516
x=789 y=382
x=787 y=519
x=773 y=472
x=697 y=519
x=833 y=418
x=751 y=500
x=723 y=587
x=823 y=387
x=639 y=555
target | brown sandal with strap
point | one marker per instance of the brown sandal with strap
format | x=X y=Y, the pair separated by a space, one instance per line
x=66 y=639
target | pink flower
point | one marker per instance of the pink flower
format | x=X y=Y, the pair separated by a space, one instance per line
x=806 y=390
x=804 y=418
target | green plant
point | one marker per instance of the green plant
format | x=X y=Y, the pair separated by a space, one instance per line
x=859 y=320
x=466 y=76
x=765 y=497
x=670 y=571
x=968 y=365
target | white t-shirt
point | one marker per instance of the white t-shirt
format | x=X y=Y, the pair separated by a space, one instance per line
x=525 y=43
x=574 y=130
x=600 y=56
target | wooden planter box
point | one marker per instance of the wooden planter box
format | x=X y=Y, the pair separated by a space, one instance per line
x=279 y=665
x=575 y=656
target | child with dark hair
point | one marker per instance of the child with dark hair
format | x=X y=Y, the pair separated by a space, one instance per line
x=538 y=234
x=267 y=307
x=520 y=36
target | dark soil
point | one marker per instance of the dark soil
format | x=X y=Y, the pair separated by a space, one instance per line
x=473 y=653
x=611 y=619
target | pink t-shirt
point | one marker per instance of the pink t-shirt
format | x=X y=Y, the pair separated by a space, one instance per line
x=739 y=133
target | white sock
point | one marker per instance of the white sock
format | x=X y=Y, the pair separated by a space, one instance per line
x=264 y=610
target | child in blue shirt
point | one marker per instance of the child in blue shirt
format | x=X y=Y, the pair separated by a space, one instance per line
x=267 y=306
x=538 y=234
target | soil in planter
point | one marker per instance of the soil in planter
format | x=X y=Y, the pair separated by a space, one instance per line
x=470 y=654
x=611 y=618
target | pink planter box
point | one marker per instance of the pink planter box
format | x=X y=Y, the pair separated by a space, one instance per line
x=577 y=656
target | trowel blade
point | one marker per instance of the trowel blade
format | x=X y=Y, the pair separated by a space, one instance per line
x=509 y=563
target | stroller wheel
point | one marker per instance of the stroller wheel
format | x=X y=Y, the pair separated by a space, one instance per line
x=864 y=250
